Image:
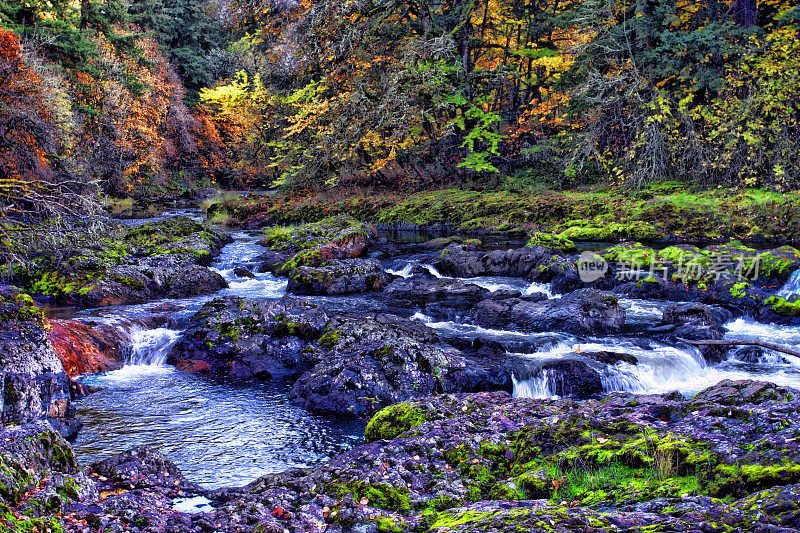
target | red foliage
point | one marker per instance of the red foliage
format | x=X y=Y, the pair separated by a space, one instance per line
x=9 y=46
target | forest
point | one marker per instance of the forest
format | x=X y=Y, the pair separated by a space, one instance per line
x=108 y=99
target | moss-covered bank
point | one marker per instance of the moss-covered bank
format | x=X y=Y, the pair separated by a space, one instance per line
x=664 y=212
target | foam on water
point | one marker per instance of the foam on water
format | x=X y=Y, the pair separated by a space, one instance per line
x=748 y=329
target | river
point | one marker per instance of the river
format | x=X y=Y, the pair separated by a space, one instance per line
x=223 y=433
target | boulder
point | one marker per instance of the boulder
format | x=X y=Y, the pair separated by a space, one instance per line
x=583 y=312
x=194 y=280
x=430 y=289
x=342 y=276
x=246 y=338
x=33 y=383
x=534 y=263
x=569 y=378
x=696 y=321
x=339 y=237
x=378 y=360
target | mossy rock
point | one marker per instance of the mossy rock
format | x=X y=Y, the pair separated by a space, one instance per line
x=552 y=241
x=780 y=306
x=394 y=420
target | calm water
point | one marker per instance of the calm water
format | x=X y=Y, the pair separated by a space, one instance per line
x=219 y=434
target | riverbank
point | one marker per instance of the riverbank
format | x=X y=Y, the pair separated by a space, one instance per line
x=667 y=212
x=727 y=458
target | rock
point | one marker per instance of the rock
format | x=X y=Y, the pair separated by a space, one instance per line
x=611 y=358
x=30 y=453
x=586 y=311
x=194 y=280
x=429 y=289
x=339 y=237
x=533 y=263
x=464 y=462
x=569 y=378
x=744 y=392
x=246 y=338
x=344 y=276
x=144 y=467
x=155 y=260
x=243 y=272
x=33 y=384
x=696 y=321
x=83 y=349
x=378 y=360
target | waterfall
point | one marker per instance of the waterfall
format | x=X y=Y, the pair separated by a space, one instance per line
x=405 y=272
x=536 y=386
x=151 y=346
x=791 y=287
x=432 y=270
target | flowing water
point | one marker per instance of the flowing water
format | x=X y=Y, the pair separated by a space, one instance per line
x=222 y=433
x=791 y=287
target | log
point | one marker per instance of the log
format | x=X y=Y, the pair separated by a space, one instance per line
x=762 y=344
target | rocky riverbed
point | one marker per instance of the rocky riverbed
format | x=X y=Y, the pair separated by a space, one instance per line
x=437 y=344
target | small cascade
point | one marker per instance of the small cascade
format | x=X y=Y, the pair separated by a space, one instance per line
x=537 y=386
x=405 y=272
x=151 y=346
x=432 y=270
x=791 y=287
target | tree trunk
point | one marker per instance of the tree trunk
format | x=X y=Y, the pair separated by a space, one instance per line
x=761 y=344
x=746 y=14
x=84 y=13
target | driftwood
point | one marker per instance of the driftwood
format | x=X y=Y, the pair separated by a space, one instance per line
x=762 y=344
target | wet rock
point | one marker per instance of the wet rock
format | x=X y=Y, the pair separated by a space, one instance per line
x=586 y=311
x=243 y=272
x=344 y=276
x=194 y=280
x=611 y=358
x=245 y=338
x=144 y=467
x=378 y=360
x=696 y=321
x=429 y=289
x=33 y=383
x=570 y=378
x=533 y=263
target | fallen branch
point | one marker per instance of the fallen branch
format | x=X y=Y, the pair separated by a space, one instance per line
x=762 y=344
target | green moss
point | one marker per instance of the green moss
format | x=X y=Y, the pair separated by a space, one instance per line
x=635 y=254
x=330 y=338
x=394 y=420
x=737 y=290
x=135 y=284
x=614 y=231
x=780 y=306
x=389 y=525
x=451 y=520
x=9 y=522
x=380 y=495
x=678 y=254
x=552 y=241
x=739 y=480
